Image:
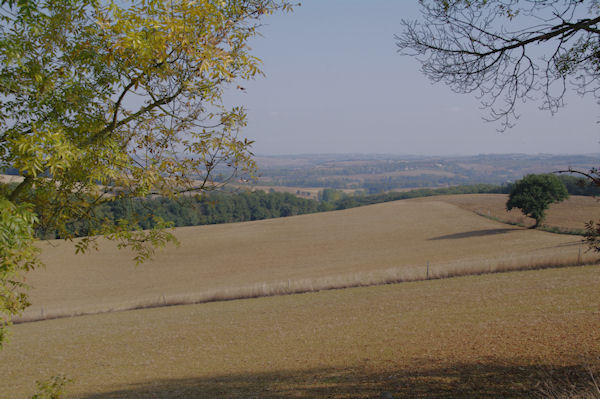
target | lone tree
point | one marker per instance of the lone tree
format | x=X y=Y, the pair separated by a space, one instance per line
x=114 y=99
x=534 y=193
x=508 y=50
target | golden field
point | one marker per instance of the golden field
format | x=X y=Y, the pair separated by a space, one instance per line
x=486 y=336
x=369 y=245
x=572 y=213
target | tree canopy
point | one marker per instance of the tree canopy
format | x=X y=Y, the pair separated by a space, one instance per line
x=508 y=50
x=534 y=193
x=115 y=99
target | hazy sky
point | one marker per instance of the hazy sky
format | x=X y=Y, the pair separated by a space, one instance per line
x=336 y=84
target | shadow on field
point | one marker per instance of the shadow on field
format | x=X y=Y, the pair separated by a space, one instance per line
x=460 y=380
x=475 y=233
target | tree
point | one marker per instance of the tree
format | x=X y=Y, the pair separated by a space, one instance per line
x=495 y=49
x=114 y=99
x=534 y=193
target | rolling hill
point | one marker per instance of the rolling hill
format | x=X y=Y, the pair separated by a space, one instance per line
x=373 y=244
x=493 y=335
x=572 y=213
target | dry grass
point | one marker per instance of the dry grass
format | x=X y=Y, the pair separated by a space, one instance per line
x=582 y=384
x=289 y=287
x=363 y=246
x=483 y=336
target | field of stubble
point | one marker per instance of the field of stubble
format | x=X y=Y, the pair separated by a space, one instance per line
x=487 y=336
x=490 y=335
x=569 y=214
x=370 y=245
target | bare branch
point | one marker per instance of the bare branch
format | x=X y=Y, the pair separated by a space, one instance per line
x=468 y=46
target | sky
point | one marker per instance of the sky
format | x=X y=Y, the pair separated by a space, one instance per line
x=335 y=83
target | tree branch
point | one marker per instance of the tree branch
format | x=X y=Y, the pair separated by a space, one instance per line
x=27 y=181
x=113 y=125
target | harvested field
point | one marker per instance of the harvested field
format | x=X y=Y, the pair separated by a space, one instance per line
x=570 y=214
x=369 y=245
x=486 y=336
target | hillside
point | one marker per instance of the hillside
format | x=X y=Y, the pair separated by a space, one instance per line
x=372 y=244
x=489 y=336
x=572 y=213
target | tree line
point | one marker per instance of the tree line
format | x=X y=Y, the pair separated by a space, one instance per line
x=229 y=207
x=218 y=207
x=211 y=208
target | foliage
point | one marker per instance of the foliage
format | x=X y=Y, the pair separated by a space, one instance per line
x=52 y=388
x=495 y=48
x=17 y=256
x=104 y=100
x=330 y=195
x=592 y=235
x=534 y=193
x=579 y=186
x=135 y=215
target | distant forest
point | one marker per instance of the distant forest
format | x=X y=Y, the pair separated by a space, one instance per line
x=228 y=207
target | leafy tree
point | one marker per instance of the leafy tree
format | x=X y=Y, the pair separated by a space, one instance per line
x=104 y=100
x=534 y=193
x=17 y=256
x=330 y=195
x=495 y=48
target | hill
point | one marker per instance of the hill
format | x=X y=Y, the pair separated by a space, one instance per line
x=571 y=214
x=369 y=245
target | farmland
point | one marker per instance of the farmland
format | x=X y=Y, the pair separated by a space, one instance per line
x=379 y=173
x=262 y=199
x=477 y=336
x=570 y=214
x=382 y=243
x=483 y=335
